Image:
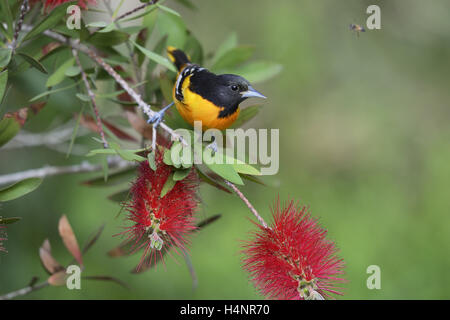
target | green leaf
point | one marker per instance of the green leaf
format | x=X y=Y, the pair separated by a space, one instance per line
x=172 y=26
x=129 y=155
x=19 y=189
x=9 y=127
x=110 y=27
x=33 y=62
x=167 y=158
x=210 y=181
x=194 y=49
x=9 y=220
x=50 y=21
x=7 y=16
x=253 y=179
x=233 y=58
x=187 y=4
x=168 y=185
x=259 y=71
x=156 y=57
x=107 y=39
x=120 y=196
x=72 y=71
x=151 y=160
x=83 y=97
x=5 y=57
x=179 y=158
x=226 y=171
x=46 y=93
x=229 y=43
x=60 y=73
x=181 y=174
x=246 y=115
x=3 y=82
x=97 y=24
x=168 y=10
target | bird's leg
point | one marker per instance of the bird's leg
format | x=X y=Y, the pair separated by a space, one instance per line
x=213 y=146
x=158 y=117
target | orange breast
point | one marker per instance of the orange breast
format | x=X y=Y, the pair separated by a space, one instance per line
x=196 y=108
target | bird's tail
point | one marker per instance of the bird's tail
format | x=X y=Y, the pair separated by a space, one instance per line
x=178 y=57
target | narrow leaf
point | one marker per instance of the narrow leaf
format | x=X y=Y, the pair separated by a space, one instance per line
x=120 y=196
x=9 y=220
x=58 y=279
x=5 y=57
x=50 y=264
x=93 y=239
x=19 y=189
x=3 y=82
x=168 y=185
x=233 y=58
x=33 y=62
x=156 y=57
x=181 y=174
x=69 y=239
x=60 y=73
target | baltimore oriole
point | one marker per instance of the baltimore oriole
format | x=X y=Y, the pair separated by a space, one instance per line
x=200 y=95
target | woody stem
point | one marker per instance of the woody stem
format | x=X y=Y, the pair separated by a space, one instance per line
x=247 y=202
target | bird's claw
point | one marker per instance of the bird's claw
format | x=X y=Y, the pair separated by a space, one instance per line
x=156 y=119
x=213 y=147
x=158 y=116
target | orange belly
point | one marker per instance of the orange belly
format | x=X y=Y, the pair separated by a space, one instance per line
x=195 y=108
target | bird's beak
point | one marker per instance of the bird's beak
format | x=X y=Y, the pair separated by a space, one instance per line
x=252 y=93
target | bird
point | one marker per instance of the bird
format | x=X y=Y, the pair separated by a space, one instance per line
x=200 y=95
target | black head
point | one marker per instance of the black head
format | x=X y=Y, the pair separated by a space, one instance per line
x=226 y=90
x=238 y=88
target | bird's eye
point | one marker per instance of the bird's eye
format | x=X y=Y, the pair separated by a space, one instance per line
x=234 y=87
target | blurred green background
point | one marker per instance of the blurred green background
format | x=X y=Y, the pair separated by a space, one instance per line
x=364 y=141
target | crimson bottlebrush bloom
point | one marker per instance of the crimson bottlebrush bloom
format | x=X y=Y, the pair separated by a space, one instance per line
x=54 y=3
x=160 y=223
x=3 y=237
x=293 y=260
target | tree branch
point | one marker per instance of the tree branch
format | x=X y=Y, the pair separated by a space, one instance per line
x=143 y=6
x=24 y=8
x=247 y=202
x=92 y=96
x=114 y=163
x=24 y=291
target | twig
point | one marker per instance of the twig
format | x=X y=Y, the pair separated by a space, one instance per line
x=145 y=5
x=24 y=291
x=249 y=205
x=23 y=11
x=92 y=96
x=27 y=139
x=47 y=171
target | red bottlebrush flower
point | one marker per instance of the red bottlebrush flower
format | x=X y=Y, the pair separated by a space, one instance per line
x=3 y=237
x=54 y=3
x=293 y=260
x=160 y=223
